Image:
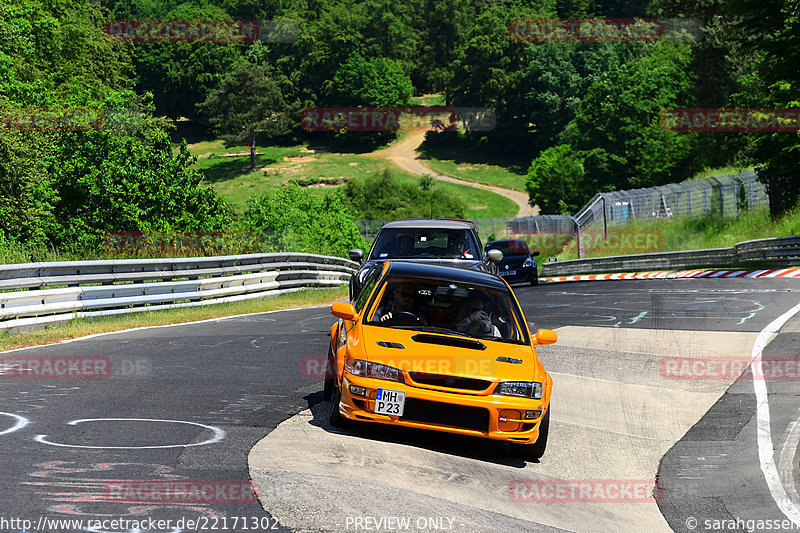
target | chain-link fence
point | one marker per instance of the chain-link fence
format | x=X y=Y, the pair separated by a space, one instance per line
x=611 y=211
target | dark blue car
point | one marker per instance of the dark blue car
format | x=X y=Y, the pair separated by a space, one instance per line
x=518 y=265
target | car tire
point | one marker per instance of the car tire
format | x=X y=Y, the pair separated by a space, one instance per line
x=335 y=418
x=535 y=451
x=330 y=376
x=535 y=280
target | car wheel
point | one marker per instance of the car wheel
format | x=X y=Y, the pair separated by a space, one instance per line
x=335 y=418
x=535 y=451
x=329 y=375
x=535 y=279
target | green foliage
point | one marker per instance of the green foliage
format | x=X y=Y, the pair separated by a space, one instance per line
x=108 y=181
x=54 y=53
x=616 y=128
x=557 y=77
x=773 y=29
x=181 y=74
x=248 y=102
x=25 y=196
x=293 y=219
x=374 y=82
x=381 y=197
x=556 y=181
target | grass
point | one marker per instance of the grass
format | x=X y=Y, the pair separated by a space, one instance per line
x=428 y=100
x=454 y=156
x=720 y=171
x=232 y=179
x=683 y=233
x=485 y=173
x=83 y=327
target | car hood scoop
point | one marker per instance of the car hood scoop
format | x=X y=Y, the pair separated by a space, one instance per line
x=448 y=341
x=387 y=344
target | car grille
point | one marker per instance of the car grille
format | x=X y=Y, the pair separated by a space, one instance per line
x=446 y=414
x=451 y=382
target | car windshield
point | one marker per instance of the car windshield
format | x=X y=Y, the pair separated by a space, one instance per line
x=515 y=247
x=440 y=306
x=415 y=243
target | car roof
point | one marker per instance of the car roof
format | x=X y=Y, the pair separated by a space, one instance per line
x=442 y=272
x=442 y=223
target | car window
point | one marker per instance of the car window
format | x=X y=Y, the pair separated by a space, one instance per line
x=366 y=290
x=516 y=247
x=442 y=306
x=419 y=243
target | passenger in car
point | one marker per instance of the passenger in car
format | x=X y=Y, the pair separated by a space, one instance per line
x=476 y=321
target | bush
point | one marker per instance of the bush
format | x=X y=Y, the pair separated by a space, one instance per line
x=381 y=197
x=297 y=220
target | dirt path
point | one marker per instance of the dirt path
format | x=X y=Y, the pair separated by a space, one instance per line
x=404 y=154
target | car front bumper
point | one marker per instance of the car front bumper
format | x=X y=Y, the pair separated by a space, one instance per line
x=492 y=417
x=523 y=274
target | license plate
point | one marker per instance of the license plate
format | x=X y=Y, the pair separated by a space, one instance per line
x=390 y=402
x=508 y=272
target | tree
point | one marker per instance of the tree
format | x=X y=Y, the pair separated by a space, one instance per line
x=773 y=30
x=616 y=129
x=555 y=181
x=376 y=82
x=181 y=74
x=247 y=103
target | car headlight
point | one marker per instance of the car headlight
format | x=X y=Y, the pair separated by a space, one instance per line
x=368 y=369
x=523 y=389
x=528 y=263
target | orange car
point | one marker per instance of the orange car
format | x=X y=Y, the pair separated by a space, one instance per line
x=440 y=348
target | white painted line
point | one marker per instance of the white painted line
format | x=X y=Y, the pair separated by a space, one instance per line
x=20 y=423
x=766 y=454
x=218 y=435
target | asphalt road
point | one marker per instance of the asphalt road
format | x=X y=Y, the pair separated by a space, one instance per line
x=186 y=404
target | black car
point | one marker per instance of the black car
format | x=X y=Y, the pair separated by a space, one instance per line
x=447 y=242
x=518 y=265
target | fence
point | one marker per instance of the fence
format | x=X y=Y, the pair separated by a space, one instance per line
x=719 y=195
x=780 y=251
x=37 y=294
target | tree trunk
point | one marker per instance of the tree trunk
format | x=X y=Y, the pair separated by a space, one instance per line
x=253 y=164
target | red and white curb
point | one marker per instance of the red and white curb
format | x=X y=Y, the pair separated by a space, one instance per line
x=669 y=274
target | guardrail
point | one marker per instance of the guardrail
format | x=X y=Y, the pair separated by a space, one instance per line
x=779 y=251
x=35 y=295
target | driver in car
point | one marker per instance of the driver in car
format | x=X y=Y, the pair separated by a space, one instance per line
x=457 y=245
x=405 y=246
x=402 y=302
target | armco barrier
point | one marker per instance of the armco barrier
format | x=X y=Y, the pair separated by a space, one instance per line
x=38 y=294
x=778 y=251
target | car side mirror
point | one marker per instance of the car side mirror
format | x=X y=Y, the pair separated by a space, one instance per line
x=545 y=336
x=535 y=253
x=343 y=310
x=494 y=255
x=356 y=254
